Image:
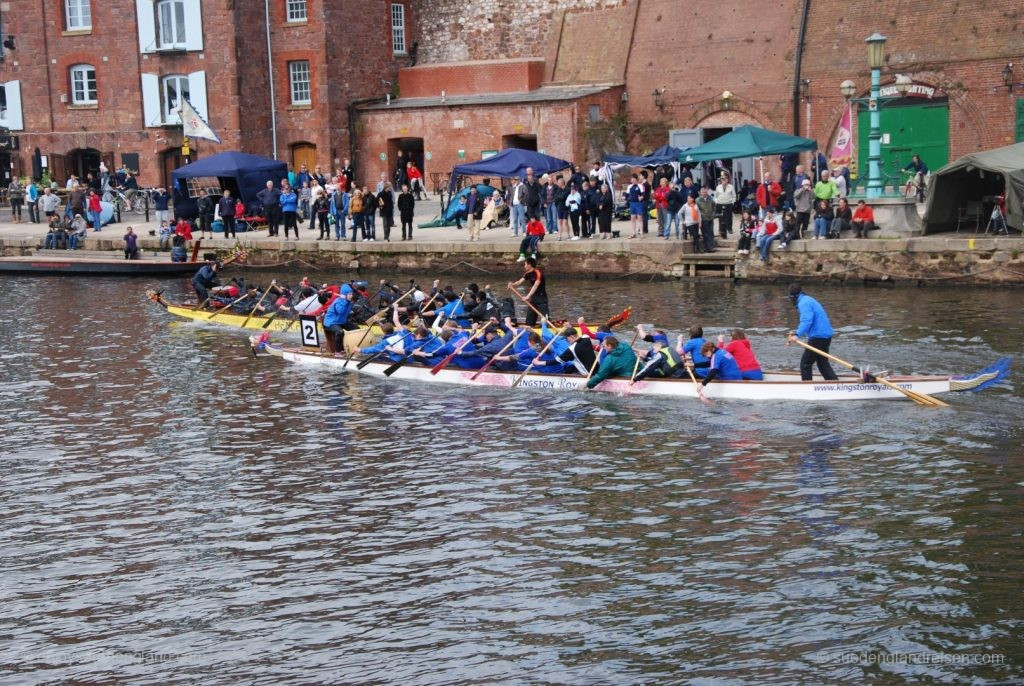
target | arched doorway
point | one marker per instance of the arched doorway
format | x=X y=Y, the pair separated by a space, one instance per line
x=411 y=149
x=303 y=154
x=82 y=161
x=714 y=126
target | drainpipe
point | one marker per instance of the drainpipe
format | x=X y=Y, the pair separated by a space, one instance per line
x=797 y=75
x=270 y=80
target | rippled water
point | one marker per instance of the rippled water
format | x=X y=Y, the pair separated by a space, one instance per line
x=175 y=511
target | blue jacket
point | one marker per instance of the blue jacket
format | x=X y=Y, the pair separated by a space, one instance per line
x=814 y=322
x=338 y=312
x=455 y=310
x=392 y=340
x=289 y=201
x=693 y=347
x=725 y=363
x=339 y=204
x=161 y=201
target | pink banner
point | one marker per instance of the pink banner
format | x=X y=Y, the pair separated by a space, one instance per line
x=842 y=149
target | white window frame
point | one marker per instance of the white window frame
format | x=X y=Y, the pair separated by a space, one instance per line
x=11 y=115
x=398 y=28
x=295 y=86
x=170 y=114
x=81 y=12
x=3 y=102
x=178 y=31
x=78 y=73
x=296 y=11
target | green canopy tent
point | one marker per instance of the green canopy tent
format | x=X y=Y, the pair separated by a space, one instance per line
x=977 y=178
x=747 y=141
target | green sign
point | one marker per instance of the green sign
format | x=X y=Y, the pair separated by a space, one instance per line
x=462 y=154
x=429 y=155
x=383 y=156
x=1020 y=120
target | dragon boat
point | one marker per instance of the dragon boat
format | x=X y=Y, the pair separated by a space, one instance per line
x=775 y=386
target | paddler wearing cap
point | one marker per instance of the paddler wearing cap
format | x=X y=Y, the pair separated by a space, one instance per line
x=815 y=325
x=205 y=279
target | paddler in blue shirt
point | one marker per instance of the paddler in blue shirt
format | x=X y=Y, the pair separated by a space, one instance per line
x=336 y=321
x=692 y=350
x=815 y=325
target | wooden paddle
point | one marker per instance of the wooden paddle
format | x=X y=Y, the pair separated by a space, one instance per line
x=369 y=325
x=919 y=398
x=243 y=297
x=700 y=390
x=528 y=303
x=494 y=357
x=444 y=363
x=259 y=302
x=538 y=356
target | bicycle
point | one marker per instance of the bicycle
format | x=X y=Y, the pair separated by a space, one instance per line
x=118 y=199
x=137 y=200
x=916 y=185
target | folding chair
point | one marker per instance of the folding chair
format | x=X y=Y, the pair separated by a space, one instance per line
x=970 y=214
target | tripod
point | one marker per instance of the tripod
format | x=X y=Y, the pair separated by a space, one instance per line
x=996 y=222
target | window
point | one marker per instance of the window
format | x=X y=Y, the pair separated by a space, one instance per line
x=3 y=103
x=83 y=84
x=77 y=15
x=398 y=28
x=594 y=113
x=171 y=17
x=174 y=89
x=298 y=77
x=296 y=10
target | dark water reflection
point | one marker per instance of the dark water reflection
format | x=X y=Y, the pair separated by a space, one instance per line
x=174 y=511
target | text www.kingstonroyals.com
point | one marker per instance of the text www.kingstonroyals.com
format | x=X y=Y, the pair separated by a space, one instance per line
x=851 y=387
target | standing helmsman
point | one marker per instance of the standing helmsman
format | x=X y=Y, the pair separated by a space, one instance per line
x=538 y=293
x=205 y=279
x=814 y=324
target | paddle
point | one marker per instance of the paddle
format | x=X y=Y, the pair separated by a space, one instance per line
x=919 y=398
x=369 y=325
x=534 y=360
x=444 y=363
x=598 y=357
x=700 y=390
x=401 y=363
x=371 y=358
x=259 y=302
x=241 y=298
x=157 y=298
x=528 y=303
x=494 y=357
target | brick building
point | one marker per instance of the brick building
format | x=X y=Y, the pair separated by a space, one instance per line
x=688 y=75
x=91 y=81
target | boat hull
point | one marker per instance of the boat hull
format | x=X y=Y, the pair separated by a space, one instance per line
x=777 y=386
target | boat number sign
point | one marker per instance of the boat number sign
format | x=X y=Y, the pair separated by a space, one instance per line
x=310 y=332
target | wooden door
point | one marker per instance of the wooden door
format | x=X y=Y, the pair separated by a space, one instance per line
x=304 y=154
x=58 y=166
x=108 y=162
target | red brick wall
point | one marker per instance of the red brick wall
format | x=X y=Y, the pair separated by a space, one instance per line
x=464 y=78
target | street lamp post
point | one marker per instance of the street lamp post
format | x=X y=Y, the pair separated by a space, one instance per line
x=876 y=60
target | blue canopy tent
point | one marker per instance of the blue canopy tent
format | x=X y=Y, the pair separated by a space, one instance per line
x=509 y=163
x=666 y=154
x=242 y=173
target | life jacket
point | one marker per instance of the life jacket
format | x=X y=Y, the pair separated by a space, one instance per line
x=672 y=358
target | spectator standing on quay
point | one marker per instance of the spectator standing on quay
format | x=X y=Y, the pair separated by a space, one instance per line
x=226 y=210
x=725 y=198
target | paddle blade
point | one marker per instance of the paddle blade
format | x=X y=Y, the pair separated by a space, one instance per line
x=442 y=364
x=395 y=367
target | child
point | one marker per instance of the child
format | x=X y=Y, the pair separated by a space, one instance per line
x=461 y=213
x=304 y=198
x=165 y=235
x=534 y=234
x=747 y=228
x=183 y=229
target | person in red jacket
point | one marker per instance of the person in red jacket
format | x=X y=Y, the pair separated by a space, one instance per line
x=768 y=193
x=739 y=348
x=863 y=220
x=661 y=204
x=534 y=234
x=415 y=178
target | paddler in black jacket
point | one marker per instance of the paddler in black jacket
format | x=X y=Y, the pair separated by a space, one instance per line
x=580 y=353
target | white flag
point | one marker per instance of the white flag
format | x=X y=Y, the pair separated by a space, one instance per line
x=194 y=125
